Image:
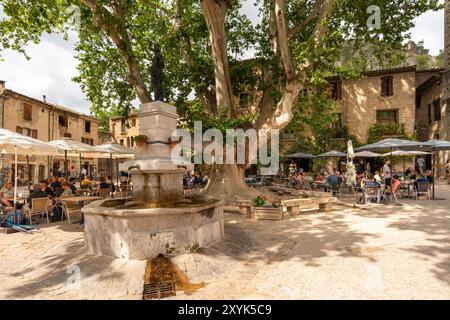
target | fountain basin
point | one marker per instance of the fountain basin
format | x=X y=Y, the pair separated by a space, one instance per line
x=126 y=230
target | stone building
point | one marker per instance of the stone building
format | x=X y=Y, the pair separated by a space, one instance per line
x=383 y=97
x=45 y=121
x=124 y=130
x=433 y=101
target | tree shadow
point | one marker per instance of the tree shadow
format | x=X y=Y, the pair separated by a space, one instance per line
x=50 y=274
x=306 y=239
x=435 y=223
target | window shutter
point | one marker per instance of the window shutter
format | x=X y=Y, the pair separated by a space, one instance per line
x=390 y=85
x=19 y=129
x=429 y=114
x=27 y=111
x=34 y=134
x=384 y=86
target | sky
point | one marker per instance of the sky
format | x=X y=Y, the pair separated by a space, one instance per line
x=53 y=64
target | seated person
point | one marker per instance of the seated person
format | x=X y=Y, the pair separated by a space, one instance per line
x=333 y=179
x=377 y=177
x=39 y=193
x=307 y=177
x=429 y=176
x=102 y=185
x=371 y=182
x=48 y=191
x=85 y=182
x=55 y=184
x=420 y=178
x=8 y=190
x=67 y=191
x=72 y=185
x=395 y=185
x=319 y=177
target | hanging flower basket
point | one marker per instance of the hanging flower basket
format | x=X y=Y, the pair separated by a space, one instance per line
x=140 y=140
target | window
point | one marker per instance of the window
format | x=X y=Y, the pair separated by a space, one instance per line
x=87 y=141
x=430 y=119
x=387 y=86
x=67 y=135
x=387 y=117
x=121 y=142
x=336 y=90
x=437 y=110
x=27 y=132
x=114 y=129
x=63 y=121
x=87 y=126
x=128 y=142
x=133 y=122
x=132 y=142
x=123 y=126
x=27 y=112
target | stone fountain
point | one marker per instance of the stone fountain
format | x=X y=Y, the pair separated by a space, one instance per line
x=158 y=219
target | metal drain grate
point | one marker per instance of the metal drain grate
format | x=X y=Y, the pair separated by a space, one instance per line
x=159 y=290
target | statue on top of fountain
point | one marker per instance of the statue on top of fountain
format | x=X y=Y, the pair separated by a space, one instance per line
x=156 y=71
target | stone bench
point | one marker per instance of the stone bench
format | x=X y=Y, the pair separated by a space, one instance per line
x=294 y=206
x=245 y=206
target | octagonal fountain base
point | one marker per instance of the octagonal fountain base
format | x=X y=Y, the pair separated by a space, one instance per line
x=123 y=229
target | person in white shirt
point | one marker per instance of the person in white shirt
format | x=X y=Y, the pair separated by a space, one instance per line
x=377 y=177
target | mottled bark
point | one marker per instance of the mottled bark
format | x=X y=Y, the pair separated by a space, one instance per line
x=214 y=13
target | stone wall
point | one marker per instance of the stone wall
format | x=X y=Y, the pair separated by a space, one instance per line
x=362 y=98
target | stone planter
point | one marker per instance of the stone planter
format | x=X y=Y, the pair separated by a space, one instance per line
x=262 y=213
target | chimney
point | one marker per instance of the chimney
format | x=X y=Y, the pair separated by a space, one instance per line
x=447 y=34
x=2 y=84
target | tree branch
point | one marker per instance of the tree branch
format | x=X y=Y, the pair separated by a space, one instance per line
x=119 y=35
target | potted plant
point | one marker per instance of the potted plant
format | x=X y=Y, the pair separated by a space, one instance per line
x=266 y=210
x=140 y=140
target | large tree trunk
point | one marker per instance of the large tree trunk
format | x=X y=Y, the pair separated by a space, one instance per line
x=215 y=12
x=227 y=183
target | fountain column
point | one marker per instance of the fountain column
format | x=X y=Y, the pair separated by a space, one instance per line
x=156 y=177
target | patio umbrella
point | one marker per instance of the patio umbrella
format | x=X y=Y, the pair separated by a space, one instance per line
x=299 y=155
x=332 y=154
x=114 y=150
x=434 y=146
x=70 y=145
x=15 y=143
x=366 y=154
x=394 y=144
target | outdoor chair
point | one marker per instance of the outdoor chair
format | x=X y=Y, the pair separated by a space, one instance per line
x=39 y=206
x=371 y=193
x=104 y=193
x=423 y=187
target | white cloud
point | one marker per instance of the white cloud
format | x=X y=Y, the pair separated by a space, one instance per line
x=49 y=72
x=430 y=28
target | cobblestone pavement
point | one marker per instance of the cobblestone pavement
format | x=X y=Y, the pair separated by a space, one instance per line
x=397 y=251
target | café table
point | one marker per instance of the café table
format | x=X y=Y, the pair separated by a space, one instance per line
x=81 y=200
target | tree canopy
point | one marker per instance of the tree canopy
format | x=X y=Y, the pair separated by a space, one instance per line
x=296 y=47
